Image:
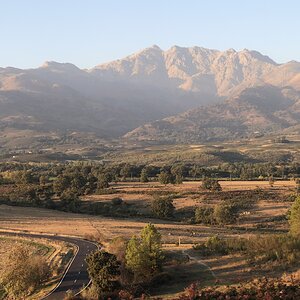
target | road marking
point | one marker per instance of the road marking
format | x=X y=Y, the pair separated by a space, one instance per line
x=75 y=280
x=82 y=265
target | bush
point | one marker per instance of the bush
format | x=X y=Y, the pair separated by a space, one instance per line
x=225 y=214
x=116 y=201
x=258 y=289
x=211 y=184
x=24 y=272
x=204 y=215
x=162 y=207
x=214 y=245
x=295 y=218
x=282 y=248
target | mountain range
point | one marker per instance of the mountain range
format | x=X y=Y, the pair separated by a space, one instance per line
x=177 y=95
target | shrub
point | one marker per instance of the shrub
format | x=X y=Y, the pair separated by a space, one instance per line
x=116 y=201
x=214 y=245
x=225 y=214
x=204 y=215
x=210 y=184
x=295 y=218
x=24 y=272
x=284 y=248
x=162 y=207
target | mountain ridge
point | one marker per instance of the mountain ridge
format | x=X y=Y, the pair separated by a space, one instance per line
x=117 y=97
x=260 y=110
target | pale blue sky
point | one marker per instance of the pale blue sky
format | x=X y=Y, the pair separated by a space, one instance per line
x=89 y=32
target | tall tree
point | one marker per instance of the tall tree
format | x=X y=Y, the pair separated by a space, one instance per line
x=103 y=269
x=295 y=218
x=144 y=175
x=144 y=254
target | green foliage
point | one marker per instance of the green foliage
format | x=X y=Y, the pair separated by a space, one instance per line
x=103 y=269
x=144 y=254
x=210 y=184
x=221 y=214
x=214 y=245
x=225 y=214
x=282 y=248
x=144 y=175
x=103 y=181
x=165 y=177
x=61 y=184
x=295 y=218
x=204 y=215
x=75 y=180
x=126 y=171
x=117 y=201
x=177 y=172
x=23 y=177
x=24 y=272
x=70 y=201
x=162 y=207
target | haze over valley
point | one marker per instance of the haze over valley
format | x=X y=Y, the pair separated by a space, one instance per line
x=121 y=97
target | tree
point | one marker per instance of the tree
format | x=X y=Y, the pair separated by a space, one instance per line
x=297 y=181
x=177 y=172
x=204 y=215
x=61 y=184
x=24 y=271
x=43 y=180
x=144 y=175
x=210 y=184
x=24 y=177
x=125 y=172
x=163 y=207
x=165 y=177
x=144 y=255
x=151 y=243
x=103 y=269
x=295 y=218
x=136 y=259
x=195 y=171
x=103 y=181
x=70 y=201
x=271 y=181
x=224 y=214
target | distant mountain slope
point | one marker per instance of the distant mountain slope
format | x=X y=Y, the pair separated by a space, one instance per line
x=202 y=70
x=253 y=112
x=116 y=97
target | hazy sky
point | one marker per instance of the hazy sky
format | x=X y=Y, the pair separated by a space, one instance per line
x=89 y=32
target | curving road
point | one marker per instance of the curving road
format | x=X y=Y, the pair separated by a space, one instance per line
x=76 y=275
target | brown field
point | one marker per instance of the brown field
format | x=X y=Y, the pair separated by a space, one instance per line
x=140 y=194
x=267 y=215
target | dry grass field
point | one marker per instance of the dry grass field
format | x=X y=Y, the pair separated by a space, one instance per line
x=268 y=214
x=140 y=194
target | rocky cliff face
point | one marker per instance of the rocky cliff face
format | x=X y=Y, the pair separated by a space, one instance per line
x=197 y=69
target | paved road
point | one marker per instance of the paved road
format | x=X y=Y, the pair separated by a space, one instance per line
x=76 y=277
